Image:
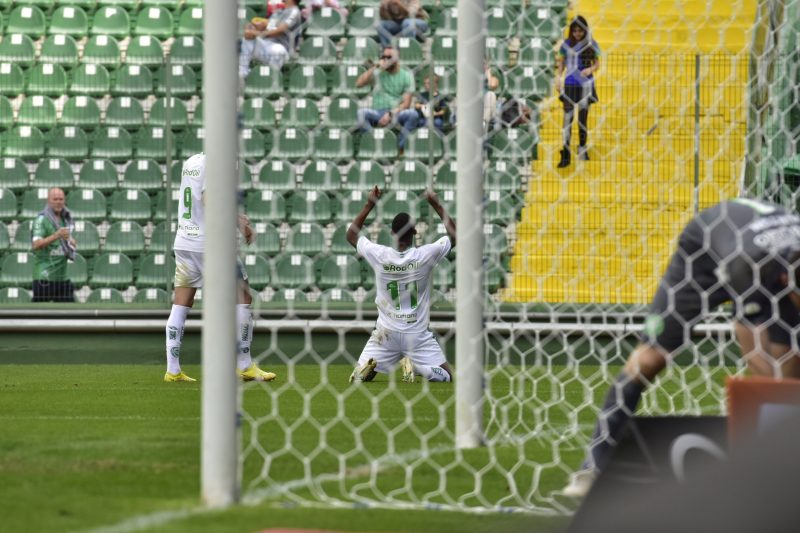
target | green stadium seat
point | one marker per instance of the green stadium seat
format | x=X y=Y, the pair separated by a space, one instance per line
x=326 y=22
x=143 y=174
x=130 y=205
x=321 y=175
x=133 y=80
x=265 y=206
x=111 y=20
x=100 y=174
x=343 y=81
x=24 y=142
x=17 y=270
x=151 y=143
x=258 y=271
x=187 y=50
x=339 y=271
x=336 y=295
x=306 y=238
x=496 y=242
x=342 y=113
x=277 y=175
x=87 y=5
x=254 y=145
x=289 y=296
x=410 y=175
x=59 y=50
x=154 y=20
x=28 y=20
x=339 y=244
x=178 y=115
x=293 y=271
x=384 y=237
x=363 y=21
x=69 y=20
x=333 y=143
x=542 y=21
x=348 y=204
x=162 y=237
x=291 y=143
x=309 y=206
x=39 y=111
x=512 y=144
x=18 y=49
x=14 y=174
x=6 y=113
x=445 y=176
x=155 y=270
x=443 y=51
x=125 y=237
x=421 y=144
x=317 y=50
x=446 y=75
x=105 y=295
x=444 y=276
x=15 y=295
x=33 y=201
x=69 y=142
x=78 y=271
x=125 y=112
x=393 y=202
x=159 y=205
x=500 y=208
x=497 y=51
x=410 y=51
x=152 y=295
x=494 y=277
x=360 y=49
x=53 y=172
x=503 y=176
x=300 y=113
x=191 y=143
x=23 y=237
x=112 y=270
x=8 y=205
x=501 y=22
x=197 y=114
x=112 y=142
x=128 y=5
x=145 y=50
x=264 y=81
x=5 y=239
x=182 y=81
x=536 y=52
x=46 y=78
x=87 y=237
x=378 y=144
x=190 y=22
x=308 y=80
x=12 y=82
x=446 y=22
x=268 y=240
x=87 y=204
x=90 y=79
x=80 y=111
x=102 y=50
x=528 y=82
x=362 y=176
x=259 y=113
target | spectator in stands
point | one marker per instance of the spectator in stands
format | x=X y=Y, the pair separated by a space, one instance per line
x=270 y=42
x=578 y=60
x=490 y=85
x=316 y=5
x=402 y=17
x=391 y=96
x=441 y=105
x=52 y=247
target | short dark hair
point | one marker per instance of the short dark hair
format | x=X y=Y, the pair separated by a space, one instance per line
x=403 y=227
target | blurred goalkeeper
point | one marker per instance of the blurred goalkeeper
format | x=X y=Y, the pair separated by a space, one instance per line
x=403 y=283
x=746 y=251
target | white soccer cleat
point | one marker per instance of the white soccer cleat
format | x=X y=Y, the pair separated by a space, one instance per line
x=407 y=367
x=580 y=483
x=364 y=373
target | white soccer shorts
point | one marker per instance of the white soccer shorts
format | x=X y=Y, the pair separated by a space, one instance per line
x=388 y=347
x=189 y=269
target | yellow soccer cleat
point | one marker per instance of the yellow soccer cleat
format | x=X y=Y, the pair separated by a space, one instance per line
x=253 y=373
x=407 y=367
x=365 y=373
x=180 y=376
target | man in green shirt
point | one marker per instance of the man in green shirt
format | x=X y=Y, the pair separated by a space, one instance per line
x=393 y=87
x=52 y=246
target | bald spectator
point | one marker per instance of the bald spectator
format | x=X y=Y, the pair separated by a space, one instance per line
x=53 y=245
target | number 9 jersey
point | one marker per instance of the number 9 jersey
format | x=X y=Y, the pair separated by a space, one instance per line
x=191 y=224
x=403 y=282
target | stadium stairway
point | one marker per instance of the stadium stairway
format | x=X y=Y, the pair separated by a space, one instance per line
x=602 y=230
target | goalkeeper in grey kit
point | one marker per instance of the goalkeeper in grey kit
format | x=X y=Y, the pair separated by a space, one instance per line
x=746 y=251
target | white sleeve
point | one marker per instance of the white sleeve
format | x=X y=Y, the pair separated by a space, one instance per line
x=367 y=249
x=437 y=250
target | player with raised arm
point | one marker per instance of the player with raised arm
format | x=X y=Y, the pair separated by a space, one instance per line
x=403 y=282
x=189 y=247
x=742 y=250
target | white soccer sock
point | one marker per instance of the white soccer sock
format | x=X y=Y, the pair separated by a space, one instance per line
x=432 y=373
x=244 y=328
x=175 y=323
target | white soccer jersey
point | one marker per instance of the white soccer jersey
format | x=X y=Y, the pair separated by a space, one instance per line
x=403 y=282
x=191 y=222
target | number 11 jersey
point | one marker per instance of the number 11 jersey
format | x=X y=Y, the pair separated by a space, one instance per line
x=191 y=224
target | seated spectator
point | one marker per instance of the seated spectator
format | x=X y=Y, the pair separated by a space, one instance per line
x=405 y=18
x=270 y=42
x=490 y=84
x=441 y=106
x=316 y=5
x=393 y=88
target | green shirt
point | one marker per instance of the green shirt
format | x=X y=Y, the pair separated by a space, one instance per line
x=50 y=263
x=390 y=87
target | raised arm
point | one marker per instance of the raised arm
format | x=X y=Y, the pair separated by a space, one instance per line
x=358 y=222
x=449 y=223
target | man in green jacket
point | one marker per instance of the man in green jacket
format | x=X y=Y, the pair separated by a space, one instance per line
x=52 y=247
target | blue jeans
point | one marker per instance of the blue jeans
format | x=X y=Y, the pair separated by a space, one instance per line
x=388 y=29
x=408 y=120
